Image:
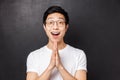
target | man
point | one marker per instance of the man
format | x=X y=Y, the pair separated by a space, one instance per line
x=56 y=60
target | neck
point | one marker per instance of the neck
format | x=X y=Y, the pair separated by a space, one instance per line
x=61 y=45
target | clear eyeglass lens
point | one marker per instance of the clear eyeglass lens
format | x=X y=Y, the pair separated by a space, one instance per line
x=59 y=23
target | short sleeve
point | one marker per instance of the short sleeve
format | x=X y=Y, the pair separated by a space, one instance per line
x=82 y=61
x=31 y=63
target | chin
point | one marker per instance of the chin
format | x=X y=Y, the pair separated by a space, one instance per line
x=58 y=40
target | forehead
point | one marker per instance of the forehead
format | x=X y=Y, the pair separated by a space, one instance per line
x=55 y=16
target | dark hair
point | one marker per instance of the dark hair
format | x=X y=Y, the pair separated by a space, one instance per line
x=54 y=9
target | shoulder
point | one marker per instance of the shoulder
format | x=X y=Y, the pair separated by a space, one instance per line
x=37 y=52
x=77 y=51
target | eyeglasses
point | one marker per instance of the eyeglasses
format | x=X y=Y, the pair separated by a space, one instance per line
x=59 y=23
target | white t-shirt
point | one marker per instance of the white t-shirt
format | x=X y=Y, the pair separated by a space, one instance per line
x=73 y=59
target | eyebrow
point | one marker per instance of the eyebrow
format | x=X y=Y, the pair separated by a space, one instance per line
x=53 y=18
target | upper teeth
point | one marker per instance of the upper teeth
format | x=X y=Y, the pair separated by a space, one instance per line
x=55 y=32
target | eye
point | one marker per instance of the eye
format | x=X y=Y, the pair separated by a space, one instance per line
x=50 y=22
x=61 y=22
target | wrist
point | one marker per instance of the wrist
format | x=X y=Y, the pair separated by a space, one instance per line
x=49 y=68
x=60 y=67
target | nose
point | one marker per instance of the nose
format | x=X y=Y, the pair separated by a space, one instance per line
x=55 y=26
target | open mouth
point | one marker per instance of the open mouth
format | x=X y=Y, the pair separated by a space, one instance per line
x=55 y=33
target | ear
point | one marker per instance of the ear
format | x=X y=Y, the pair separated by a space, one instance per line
x=67 y=27
x=44 y=26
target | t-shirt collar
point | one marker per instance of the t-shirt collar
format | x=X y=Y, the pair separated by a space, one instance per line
x=59 y=50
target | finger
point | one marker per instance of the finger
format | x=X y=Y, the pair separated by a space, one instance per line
x=55 y=46
x=53 y=55
x=56 y=49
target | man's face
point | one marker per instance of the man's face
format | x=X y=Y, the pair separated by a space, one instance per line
x=55 y=27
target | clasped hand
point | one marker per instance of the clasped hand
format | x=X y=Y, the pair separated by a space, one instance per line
x=55 y=58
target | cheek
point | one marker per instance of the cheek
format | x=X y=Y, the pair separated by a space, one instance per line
x=64 y=29
x=47 y=30
x=63 y=32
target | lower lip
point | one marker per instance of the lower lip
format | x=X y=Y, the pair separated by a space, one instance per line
x=55 y=36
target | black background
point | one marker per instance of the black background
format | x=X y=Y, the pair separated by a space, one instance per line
x=94 y=27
